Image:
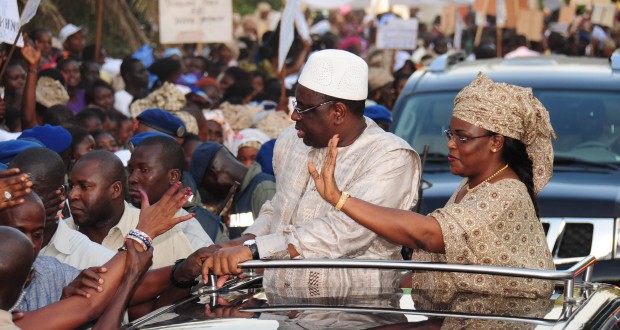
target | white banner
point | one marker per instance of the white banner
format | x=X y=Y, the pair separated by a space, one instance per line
x=398 y=34
x=9 y=22
x=195 y=21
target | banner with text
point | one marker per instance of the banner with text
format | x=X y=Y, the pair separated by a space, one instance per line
x=9 y=22
x=195 y=21
x=398 y=34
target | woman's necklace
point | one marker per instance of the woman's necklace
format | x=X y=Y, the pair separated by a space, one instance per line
x=489 y=178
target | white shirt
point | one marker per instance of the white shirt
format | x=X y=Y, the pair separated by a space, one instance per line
x=179 y=242
x=197 y=236
x=521 y=52
x=8 y=136
x=378 y=167
x=122 y=100
x=6 y=321
x=71 y=247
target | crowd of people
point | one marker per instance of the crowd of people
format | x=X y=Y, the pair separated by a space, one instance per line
x=168 y=165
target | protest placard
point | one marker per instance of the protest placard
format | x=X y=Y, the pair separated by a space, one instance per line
x=9 y=22
x=448 y=19
x=603 y=14
x=398 y=34
x=195 y=21
x=530 y=24
x=488 y=7
x=567 y=15
x=512 y=12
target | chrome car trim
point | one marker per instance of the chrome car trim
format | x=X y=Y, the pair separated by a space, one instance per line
x=287 y=308
x=567 y=275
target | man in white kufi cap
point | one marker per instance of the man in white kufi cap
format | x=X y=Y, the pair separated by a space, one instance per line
x=373 y=165
x=72 y=39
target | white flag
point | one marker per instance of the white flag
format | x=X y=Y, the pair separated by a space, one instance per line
x=9 y=22
x=287 y=31
x=29 y=11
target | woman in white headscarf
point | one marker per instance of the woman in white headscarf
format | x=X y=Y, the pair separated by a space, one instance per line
x=246 y=144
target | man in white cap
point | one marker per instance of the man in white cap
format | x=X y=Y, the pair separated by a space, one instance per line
x=72 y=39
x=372 y=165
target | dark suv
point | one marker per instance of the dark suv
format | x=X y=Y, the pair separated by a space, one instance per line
x=580 y=207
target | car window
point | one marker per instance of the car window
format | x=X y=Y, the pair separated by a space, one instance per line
x=423 y=119
x=587 y=123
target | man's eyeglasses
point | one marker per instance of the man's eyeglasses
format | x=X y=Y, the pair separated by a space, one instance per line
x=462 y=139
x=300 y=111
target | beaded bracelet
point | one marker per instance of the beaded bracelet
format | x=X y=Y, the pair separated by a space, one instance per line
x=136 y=239
x=142 y=236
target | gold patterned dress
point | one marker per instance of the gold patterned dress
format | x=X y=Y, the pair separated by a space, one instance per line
x=494 y=224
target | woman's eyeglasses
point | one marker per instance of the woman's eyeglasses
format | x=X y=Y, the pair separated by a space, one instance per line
x=462 y=139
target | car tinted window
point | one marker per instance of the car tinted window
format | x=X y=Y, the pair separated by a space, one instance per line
x=587 y=123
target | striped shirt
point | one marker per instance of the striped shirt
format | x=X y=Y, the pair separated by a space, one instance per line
x=50 y=277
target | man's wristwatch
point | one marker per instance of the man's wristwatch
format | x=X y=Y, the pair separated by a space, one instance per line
x=251 y=243
x=181 y=284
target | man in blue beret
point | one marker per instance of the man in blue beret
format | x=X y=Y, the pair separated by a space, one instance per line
x=380 y=115
x=136 y=139
x=56 y=138
x=10 y=149
x=161 y=121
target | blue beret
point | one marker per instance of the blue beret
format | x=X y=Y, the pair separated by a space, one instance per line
x=12 y=148
x=162 y=121
x=202 y=158
x=3 y=167
x=136 y=139
x=56 y=138
x=378 y=113
x=265 y=156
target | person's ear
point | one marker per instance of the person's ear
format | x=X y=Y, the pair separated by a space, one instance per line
x=340 y=112
x=497 y=143
x=116 y=190
x=174 y=175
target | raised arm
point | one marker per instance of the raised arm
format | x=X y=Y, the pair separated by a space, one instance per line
x=33 y=57
x=137 y=263
x=75 y=311
x=401 y=227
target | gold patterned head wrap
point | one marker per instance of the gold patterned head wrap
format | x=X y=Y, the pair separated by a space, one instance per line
x=514 y=112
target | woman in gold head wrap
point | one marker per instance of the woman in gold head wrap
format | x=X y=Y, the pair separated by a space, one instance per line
x=499 y=141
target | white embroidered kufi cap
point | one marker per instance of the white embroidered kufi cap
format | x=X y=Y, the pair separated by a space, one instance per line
x=336 y=73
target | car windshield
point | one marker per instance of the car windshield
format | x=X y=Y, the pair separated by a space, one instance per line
x=587 y=124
